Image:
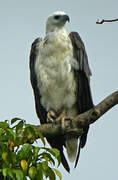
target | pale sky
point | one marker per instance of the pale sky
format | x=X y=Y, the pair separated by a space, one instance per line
x=23 y=21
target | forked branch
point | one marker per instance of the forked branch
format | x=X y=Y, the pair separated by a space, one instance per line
x=105 y=20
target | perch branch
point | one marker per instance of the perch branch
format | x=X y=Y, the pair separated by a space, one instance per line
x=104 y=20
x=76 y=126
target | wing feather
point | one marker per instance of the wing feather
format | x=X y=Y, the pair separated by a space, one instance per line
x=41 y=112
x=82 y=76
x=79 y=53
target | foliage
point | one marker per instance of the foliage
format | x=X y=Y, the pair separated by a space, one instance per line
x=19 y=159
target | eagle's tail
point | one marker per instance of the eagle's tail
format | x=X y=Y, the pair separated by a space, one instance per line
x=82 y=143
x=63 y=160
x=71 y=147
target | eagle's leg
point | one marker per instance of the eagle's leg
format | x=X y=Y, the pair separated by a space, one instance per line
x=51 y=116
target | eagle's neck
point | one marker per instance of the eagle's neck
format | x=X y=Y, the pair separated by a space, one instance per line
x=56 y=43
x=52 y=29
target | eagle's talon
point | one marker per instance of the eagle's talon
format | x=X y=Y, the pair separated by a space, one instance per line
x=51 y=117
x=62 y=118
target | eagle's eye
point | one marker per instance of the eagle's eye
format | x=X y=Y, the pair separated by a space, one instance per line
x=56 y=17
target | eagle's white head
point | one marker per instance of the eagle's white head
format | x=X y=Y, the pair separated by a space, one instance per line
x=56 y=21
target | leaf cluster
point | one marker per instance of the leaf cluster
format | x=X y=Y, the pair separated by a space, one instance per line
x=20 y=160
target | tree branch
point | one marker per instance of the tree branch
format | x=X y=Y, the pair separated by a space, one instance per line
x=102 y=21
x=75 y=126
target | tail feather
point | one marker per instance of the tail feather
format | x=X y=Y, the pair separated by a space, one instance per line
x=71 y=147
x=64 y=161
x=83 y=138
x=78 y=154
x=82 y=143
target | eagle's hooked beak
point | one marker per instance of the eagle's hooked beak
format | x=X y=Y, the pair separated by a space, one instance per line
x=66 y=18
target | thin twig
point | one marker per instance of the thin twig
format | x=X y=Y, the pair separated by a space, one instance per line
x=104 y=20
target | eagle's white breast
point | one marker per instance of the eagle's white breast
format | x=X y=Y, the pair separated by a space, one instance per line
x=54 y=73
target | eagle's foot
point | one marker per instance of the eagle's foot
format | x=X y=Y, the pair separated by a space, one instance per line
x=51 y=116
x=63 y=117
x=65 y=121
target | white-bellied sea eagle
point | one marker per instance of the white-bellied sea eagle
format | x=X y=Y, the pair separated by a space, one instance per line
x=60 y=77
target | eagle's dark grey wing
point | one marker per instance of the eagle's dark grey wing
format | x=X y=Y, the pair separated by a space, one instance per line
x=41 y=112
x=55 y=142
x=82 y=76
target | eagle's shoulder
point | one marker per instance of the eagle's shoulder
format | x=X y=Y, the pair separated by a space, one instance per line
x=34 y=48
x=79 y=53
x=32 y=59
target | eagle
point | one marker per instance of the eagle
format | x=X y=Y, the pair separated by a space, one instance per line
x=60 y=78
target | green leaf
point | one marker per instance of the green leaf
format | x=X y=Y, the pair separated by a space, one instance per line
x=14 y=120
x=39 y=172
x=45 y=168
x=32 y=172
x=19 y=126
x=1 y=133
x=29 y=132
x=55 y=152
x=35 y=154
x=4 y=156
x=51 y=174
x=25 y=152
x=19 y=174
x=42 y=138
x=4 y=171
x=13 y=158
x=47 y=157
x=33 y=132
x=4 y=146
x=10 y=134
x=11 y=173
x=36 y=150
x=4 y=125
x=57 y=173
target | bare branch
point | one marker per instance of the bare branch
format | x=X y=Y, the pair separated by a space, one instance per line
x=51 y=130
x=75 y=126
x=104 y=20
x=95 y=113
